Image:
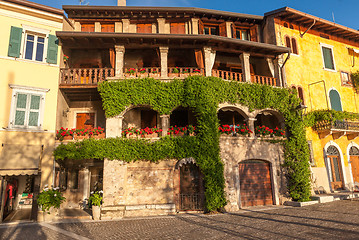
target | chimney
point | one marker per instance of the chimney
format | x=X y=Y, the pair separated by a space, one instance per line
x=121 y=3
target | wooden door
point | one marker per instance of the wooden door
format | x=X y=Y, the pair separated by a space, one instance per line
x=336 y=172
x=354 y=160
x=85 y=120
x=191 y=188
x=178 y=28
x=255 y=183
x=144 y=28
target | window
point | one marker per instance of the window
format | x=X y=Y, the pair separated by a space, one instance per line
x=243 y=34
x=300 y=93
x=27 y=107
x=328 y=58
x=144 y=27
x=87 y=27
x=291 y=42
x=335 y=100
x=211 y=30
x=107 y=27
x=345 y=76
x=178 y=28
x=33 y=44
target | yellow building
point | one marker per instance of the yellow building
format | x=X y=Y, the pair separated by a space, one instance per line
x=324 y=54
x=29 y=74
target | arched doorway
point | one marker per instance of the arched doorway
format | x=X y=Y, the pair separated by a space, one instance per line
x=191 y=195
x=255 y=183
x=230 y=116
x=335 y=168
x=354 y=162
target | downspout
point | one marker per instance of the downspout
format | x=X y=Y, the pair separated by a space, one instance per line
x=281 y=68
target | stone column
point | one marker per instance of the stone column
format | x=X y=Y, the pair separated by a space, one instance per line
x=194 y=22
x=209 y=57
x=120 y=58
x=161 y=25
x=86 y=183
x=165 y=124
x=118 y=26
x=281 y=82
x=97 y=27
x=77 y=26
x=114 y=127
x=164 y=66
x=251 y=126
x=246 y=68
x=125 y=25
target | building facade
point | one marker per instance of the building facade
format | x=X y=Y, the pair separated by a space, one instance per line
x=121 y=43
x=323 y=56
x=29 y=61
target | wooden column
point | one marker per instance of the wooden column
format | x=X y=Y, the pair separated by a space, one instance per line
x=164 y=65
x=120 y=57
x=246 y=67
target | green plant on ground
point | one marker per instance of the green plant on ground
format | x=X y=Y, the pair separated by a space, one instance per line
x=95 y=198
x=50 y=198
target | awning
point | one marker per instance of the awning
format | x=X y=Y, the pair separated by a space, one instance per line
x=19 y=159
x=355 y=50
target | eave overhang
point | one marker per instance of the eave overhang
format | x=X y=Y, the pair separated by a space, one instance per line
x=137 y=40
x=321 y=25
x=109 y=12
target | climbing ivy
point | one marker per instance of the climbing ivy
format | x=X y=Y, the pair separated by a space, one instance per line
x=202 y=95
x=316 y=116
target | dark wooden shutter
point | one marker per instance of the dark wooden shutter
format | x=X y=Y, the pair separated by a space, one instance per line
x=15 y=42
x=223 y=30
x=233 y=31
x=200 y=27
x=85 y=120
x=144 y=28
x=52 y=48
x=87 y=27
x=178 y=28
x=294 y=46
x=287 y=42
x=335 y=101
x=107 y=27
x=328 y=58
x=254 y=34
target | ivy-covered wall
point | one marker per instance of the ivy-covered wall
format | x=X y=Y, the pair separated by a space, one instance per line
x=202 y=95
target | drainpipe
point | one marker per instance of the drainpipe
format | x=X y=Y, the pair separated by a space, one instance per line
x=281 y=69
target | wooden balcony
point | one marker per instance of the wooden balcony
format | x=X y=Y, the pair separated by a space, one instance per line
x=271 y=81
x=84 y=76
x=152 y=72
x=228 y=75
x=337 y=129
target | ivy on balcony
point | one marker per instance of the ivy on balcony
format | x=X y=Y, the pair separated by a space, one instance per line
x=202 y=94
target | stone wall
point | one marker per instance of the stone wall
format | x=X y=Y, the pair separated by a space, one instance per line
x=237 y=149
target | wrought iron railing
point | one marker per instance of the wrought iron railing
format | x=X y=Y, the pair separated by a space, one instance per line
x=341 y=125
x=191 y=201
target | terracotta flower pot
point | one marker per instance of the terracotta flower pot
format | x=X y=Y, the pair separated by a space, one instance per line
x=153 y=135
x=81 y=137
x=69 y=137
x=99 y=136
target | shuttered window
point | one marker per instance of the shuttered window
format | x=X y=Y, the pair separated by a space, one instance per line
x=27 y=110
x=107 y=27
x=15 y=42
x=144 y=28
x=52 y=49
x=328 y=58
x=178 y=28
x=335 y=101
x=87 y=27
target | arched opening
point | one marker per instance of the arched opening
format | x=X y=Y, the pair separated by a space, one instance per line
x=182 y=117
x=191 y=195
x=267 y=119
x=335 y=100
x=140 y=118
x=334 y=168
x=354 y=162
x=255 y=183
x=230 y=116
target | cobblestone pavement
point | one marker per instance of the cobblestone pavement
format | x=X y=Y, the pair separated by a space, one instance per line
x=335 y=220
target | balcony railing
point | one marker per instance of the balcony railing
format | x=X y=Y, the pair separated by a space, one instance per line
x=87 y=76
x=184 y=71
x=264 y=80
x=154 y=72
x=228 y=75
x=337 y=129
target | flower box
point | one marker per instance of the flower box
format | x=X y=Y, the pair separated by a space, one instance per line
x=132 y=136
x=173 y=75
x=142 y=75
x=184 y=75
x=81 y=137
x=99 y=136
x=153 y=135
x=67 y=138
x=155 y=75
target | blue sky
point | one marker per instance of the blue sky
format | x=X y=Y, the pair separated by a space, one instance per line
x=346 y=12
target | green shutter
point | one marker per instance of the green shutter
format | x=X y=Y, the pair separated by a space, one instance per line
x=335 y=101
x=15 y=42
x=52 y=49
x=328 y=58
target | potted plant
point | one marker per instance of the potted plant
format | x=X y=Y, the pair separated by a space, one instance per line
x=185 y=72
x=196 y=72
x=65 y=134
x=98 y=133
x=226 y=129
x=143 y=73
x=154 y=73
x=131 y=72
x=191 y=130
x=175 y=72
x=263 y=131
x=278 y=132
x=81 y=134
x=50 y=200
x=95 y=201
x=131 y=132
x=242 y=130
x=150 y=132
x=176 y=131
